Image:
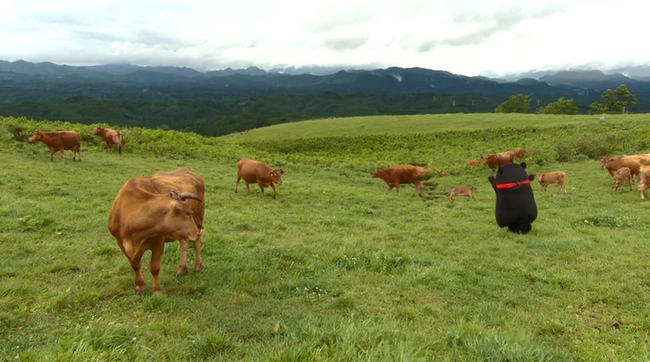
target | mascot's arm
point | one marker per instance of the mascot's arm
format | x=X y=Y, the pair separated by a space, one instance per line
x=531 y=177
x=492 y=182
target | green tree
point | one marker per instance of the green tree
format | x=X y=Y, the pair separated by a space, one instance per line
x=614 y=101
x=561 y=106
x=515 y=104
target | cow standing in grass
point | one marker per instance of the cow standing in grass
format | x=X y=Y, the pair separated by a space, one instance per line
x=59 y=141
x=111 y=137
x=258 y=172
x=401 y=174
x=554 y=177
x=619 y=177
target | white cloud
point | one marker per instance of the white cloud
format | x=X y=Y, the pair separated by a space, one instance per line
x=462 y=37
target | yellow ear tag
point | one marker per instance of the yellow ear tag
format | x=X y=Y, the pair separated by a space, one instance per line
x=271 y=174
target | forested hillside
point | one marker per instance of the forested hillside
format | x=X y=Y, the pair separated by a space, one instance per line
x=219 y=103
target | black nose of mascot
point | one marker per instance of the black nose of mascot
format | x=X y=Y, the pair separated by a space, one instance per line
x=515 y=206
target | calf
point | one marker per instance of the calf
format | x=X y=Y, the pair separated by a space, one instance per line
x=401 y=174
x=619 y=177
x=547 y=178
x=468 y=191
x=111 y=137
x=258 y=172
x=59 y=141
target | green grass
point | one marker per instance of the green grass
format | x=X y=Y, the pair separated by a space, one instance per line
x=333 y=269
x=374 y=125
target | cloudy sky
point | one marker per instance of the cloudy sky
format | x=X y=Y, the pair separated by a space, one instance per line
x=464 y=37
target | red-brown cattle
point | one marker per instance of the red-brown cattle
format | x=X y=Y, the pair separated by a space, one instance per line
x=468 y=191
x=554 y=177
x=611 y=164
x=645 y=181
x=619 y=177
x=401 y=174
x=111 y=137
x=494 y=160
x=259 y=172
x=59 y=141
x=520 y=152
x=151 y=210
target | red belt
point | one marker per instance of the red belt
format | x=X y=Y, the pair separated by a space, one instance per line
x=508 y=185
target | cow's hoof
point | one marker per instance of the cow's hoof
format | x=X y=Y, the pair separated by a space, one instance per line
x=137 y=291
x=182 y=270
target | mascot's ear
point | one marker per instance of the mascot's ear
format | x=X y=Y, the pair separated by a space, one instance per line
x=523 y=164
x=531 y=177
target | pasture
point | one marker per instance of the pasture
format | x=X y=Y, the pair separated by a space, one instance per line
x=334 y=269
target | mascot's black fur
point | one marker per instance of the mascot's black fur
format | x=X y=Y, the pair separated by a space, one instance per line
x=516 y=206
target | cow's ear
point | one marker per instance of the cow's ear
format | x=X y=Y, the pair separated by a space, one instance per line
x=523 y=164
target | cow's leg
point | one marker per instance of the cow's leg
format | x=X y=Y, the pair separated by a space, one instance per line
x=262 y=189
x=136 y=265
x=248 y=188
x=237 y=182
x=198 y=263
x=418 y=187
x=390 y=187
x=61 y=152
x=157 y=248
x=629 y=181
x=642 y=189
x=183 y=245
x=273 y=186
x=51 y=155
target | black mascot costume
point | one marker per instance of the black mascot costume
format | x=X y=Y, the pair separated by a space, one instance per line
x=516 y=206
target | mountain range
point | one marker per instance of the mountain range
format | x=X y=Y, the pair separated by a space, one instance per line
x=22 y=80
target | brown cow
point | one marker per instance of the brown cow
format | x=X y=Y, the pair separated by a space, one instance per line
x=59 y=141
x=258 y=172
x=401 y=174
x=151 y=210
x=611 y=164
x=520 y=152
x=494 y=160
x=619 y=177
x=468 y=191
x=645 y=181
x=111 y=137
x=547 y=178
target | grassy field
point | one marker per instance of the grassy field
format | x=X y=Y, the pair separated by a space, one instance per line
x=333 y=269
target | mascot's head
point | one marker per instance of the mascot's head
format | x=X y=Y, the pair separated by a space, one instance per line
x=512 y=172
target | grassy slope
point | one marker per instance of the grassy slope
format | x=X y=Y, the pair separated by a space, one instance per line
x=372 y=125
x=334 y=269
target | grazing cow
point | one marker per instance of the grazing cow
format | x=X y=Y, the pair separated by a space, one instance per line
x=401 y=174
x=475 y=162
x=494 y=160
x=645 y=181
x=555 y=177
x=520 y=152
x=619 y=177
x=59 y=141
x=259 y=172
x=151 y=210
x=468 y=191
x=111 y=137
x=611 y=164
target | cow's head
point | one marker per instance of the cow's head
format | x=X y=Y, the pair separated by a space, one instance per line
x=36 y=136
x=473 y=189
x=377 y=172
x=179 y=221
x=97 y=130
x=276 y=176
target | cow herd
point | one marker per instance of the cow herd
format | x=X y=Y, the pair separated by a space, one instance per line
x=150 y=210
